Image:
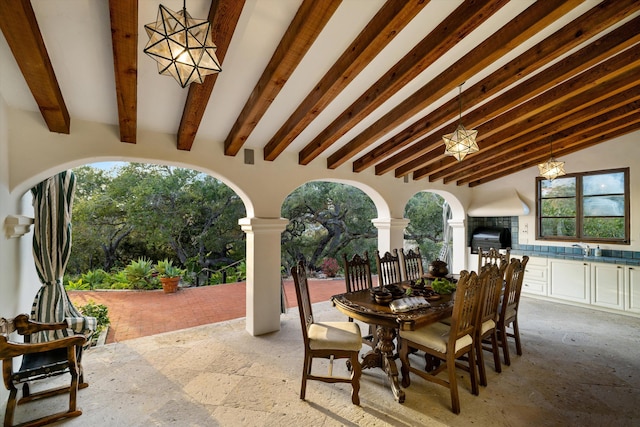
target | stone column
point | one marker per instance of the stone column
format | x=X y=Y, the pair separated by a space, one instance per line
x=459 y=254
x=263 y=273
x=390 y=233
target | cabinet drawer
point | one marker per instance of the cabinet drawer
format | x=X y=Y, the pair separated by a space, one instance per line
x=535 y=272
x=534 y=287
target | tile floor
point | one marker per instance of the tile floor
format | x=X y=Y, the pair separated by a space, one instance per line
x=580 y=367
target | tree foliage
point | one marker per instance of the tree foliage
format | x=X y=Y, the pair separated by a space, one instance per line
x=424 y=211
x=156 y=212
x=327 y=220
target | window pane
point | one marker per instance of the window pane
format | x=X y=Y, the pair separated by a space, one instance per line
x=558 y=227
x=608 y=183
x=558 y=187
x=603 y=206
x=604 y=228
x=559 y=207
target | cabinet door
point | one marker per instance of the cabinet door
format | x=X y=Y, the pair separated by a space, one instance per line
x=633 y=289
x=570 y=280
x=607 y=285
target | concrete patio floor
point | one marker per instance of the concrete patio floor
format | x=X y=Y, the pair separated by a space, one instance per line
x=579 y=368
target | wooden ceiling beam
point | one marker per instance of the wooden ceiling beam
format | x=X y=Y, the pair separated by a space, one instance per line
x=528 y=23
x=562 y=116
x=606 y=132
x=447 y=34
x=581 y=29
x=597 y=51
x=20 y=28
x=309 y=21
x=542 y=142
x=600 y=82
x=384 y=27
x=224 y=16
x=124 y=40
x=607 y=79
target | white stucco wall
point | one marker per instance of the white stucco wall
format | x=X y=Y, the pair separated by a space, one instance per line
x=262 y=186
x=621 y=152
x=30 y=153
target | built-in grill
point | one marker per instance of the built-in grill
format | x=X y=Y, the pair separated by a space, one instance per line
x=490 y=237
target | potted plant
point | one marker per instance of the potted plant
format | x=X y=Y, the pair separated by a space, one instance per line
x=169 y=275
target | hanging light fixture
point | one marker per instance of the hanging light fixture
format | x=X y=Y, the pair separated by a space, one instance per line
x=182 y=46
x=462 y=141
x=551 y=169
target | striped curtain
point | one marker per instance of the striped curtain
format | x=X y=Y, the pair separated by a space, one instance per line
x=52 y=203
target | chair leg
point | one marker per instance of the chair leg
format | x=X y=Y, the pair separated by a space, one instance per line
x=496 y=351
x=480 y=360
x=355 y=379
x=306 y=370
x=505 y=345
x=453 y=383
x=11 y=407
x=404 y=358
x=516 y=336
x=472 y=371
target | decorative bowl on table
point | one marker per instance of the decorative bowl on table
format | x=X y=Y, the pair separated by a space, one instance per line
x=383 y=297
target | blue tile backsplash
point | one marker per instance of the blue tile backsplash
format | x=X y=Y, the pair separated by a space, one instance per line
x=613 y=256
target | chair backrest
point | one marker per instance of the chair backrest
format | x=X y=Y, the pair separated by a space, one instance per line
x=389 y=270
x=491 y=280
x=493 y=256
x=513 y=287
x=465 y=306
x=299 y=274
x=357 y=272
x=412 y=268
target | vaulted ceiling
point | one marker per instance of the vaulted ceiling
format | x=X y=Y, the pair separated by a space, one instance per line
x=366 y=84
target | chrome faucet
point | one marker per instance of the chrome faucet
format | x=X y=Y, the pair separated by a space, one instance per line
x=585 y=248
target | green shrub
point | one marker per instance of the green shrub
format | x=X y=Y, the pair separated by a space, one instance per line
x=96 y=279
x=99 y=311
x=78 y=285
x=140 y=274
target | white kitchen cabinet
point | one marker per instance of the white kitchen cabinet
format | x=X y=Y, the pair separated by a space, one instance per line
x=535 y=279
x=570 y=280
x=632 y=289
x=607 y=285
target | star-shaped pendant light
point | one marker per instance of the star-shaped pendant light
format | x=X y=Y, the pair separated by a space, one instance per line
x=462 y=141
x=551 y=169
x=182 y=46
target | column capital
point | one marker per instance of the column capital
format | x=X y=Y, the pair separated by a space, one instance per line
x=266 y=225
x=390 y=223
x=456 y=223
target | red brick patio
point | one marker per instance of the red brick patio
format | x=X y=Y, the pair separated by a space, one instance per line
x=136 y=314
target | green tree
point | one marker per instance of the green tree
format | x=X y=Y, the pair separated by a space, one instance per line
x=155 y=212
x=327 y=220
x=424 y=210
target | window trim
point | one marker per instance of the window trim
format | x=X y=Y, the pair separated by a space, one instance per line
x=579 y=213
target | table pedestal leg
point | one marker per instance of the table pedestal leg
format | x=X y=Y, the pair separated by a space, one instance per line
x=382 y=357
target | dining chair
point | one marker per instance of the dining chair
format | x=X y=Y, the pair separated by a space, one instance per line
x=389 y=270
x=508 y=309
x=412 y=268
x=493 y=256
x=327 y=340
x=39 y=362
x=357 y=277
x=487 y=319
x=447 y=343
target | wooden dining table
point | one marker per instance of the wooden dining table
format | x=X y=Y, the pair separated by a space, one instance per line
x=362 y=306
